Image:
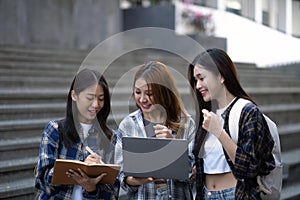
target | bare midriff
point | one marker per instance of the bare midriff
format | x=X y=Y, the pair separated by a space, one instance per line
x=220 y=181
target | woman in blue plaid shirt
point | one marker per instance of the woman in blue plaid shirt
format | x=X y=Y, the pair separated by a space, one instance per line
x=158 y=101
x=231 y=164
x=88 y=106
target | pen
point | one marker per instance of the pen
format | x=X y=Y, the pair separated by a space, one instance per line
x=89 y=150
x=92 y=152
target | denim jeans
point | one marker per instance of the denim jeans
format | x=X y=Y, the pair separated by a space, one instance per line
x=227 y=194
x=162 y=193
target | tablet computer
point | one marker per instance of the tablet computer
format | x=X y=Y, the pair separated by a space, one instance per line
x=156 y=157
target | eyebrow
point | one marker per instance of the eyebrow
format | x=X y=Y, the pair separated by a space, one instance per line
x=198 y=74
x=148 y=90
x=93 y=94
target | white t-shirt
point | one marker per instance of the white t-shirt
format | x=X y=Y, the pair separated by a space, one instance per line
x=77 y=190
x=85 y=129
x=214 y=157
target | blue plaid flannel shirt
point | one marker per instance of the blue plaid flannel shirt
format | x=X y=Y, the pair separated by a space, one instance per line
x=132 y=125
x=253 y=155
x=50 y=149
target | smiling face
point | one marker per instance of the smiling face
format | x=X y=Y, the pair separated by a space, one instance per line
x=208 y=84
x=143 y=97
x=89 y=102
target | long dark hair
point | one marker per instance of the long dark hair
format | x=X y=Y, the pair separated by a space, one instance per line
x=67 y=127
x=218 y=62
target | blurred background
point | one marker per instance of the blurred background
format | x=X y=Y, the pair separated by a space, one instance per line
x=44 y=43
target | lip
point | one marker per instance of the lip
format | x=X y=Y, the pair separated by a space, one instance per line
x=203 y=92
x=93 y=112
x=146 y=107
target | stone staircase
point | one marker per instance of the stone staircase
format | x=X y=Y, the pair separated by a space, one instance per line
x=33 y=88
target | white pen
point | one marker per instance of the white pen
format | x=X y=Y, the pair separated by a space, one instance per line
x=92 y=152
x=89 y=150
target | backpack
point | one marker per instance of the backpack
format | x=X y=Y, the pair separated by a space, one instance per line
x=271 y=184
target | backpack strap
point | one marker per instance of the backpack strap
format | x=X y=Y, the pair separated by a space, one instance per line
x=225 y=116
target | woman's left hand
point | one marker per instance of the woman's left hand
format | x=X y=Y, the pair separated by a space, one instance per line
x=89 y=184
x=193 y=176
x=162 y=131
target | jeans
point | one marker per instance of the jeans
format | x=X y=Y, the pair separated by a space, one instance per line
x=162 y=193
x=227 y=194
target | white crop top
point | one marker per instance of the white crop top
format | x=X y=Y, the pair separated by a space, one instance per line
x=214 y=158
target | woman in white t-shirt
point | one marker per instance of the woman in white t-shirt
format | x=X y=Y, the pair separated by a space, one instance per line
x=229 y=166
x=85 y=125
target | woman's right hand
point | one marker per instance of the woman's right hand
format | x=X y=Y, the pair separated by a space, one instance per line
x=94 y=159
x=136 y=181
x=162 y=131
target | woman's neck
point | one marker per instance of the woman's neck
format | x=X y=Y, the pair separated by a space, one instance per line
x=225 y=100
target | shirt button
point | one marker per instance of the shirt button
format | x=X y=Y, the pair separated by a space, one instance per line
x=209 y=193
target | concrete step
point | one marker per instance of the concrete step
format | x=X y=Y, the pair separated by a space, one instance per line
x=289 y=136
x=38 y=66
x=18 y=149
x=32 y=95
x=16 y=129
x=18 y=189
x=15 y=169
x=54 y=110
x=269 y=82
x=283 y=114
x=38 y=54
x=32 y=111
x=135 y=58
x=19 y=128
x=291 y=192
x=32 y=73
x=291 y=161
x=274 y=95
x=37 y=82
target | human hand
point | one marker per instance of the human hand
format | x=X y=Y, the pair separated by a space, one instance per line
x=136 y=181
x=162 y=131
x=94 y=159
x=193 y=177
x=211 y=123
x=89 y=184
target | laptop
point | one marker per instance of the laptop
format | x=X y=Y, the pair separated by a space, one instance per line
x=156 y=157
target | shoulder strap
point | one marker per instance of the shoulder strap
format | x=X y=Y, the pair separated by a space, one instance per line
x=233 y=124
x=225 y=115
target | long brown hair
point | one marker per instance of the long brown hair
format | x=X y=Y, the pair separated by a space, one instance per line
x=164 y=91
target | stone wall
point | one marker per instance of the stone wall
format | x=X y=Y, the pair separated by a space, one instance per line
x=78 y=24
